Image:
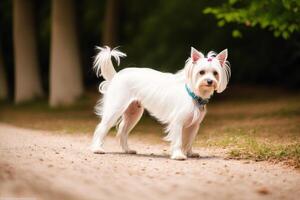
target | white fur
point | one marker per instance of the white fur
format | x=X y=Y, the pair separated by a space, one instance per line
x=129 y=91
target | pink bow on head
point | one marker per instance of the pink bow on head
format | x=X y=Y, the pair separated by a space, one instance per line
x=209 y=59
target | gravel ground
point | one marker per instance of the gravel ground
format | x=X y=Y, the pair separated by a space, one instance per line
x=44 y=165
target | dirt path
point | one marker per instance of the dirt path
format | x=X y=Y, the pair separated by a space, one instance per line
x=43 y=165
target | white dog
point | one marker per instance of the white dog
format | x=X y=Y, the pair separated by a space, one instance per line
x=177 y=100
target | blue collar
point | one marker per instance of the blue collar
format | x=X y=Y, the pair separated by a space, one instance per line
x=199 y=100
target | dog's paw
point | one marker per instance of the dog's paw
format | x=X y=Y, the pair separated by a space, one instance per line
x=97 y=150
x=130 y=151
x=178 y=155
x=193 y=155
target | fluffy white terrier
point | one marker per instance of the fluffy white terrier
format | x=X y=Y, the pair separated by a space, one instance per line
x=177 y=100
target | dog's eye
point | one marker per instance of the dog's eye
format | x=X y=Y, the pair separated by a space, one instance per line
x=202 y=72
x=215 y=73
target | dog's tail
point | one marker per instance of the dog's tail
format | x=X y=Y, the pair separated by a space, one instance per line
x=103 y=64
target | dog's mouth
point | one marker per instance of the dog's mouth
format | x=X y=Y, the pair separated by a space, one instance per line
x=207 y=86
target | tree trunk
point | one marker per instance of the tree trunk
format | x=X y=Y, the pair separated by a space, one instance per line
x=27 y=77
x=3 y=80
x=111 y=23
x=65 y=70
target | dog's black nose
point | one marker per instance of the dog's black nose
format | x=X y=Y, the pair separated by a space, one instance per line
x=209 y=82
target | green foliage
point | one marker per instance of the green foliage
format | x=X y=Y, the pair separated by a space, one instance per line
x=236 y=34
x=282 y=17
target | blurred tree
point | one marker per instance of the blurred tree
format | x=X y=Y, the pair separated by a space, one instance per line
x=27 y=76
x=43 y=16
x=158 y=34
x=66 y=83
x=3 y=79
x=111 y=23
x=282 y=17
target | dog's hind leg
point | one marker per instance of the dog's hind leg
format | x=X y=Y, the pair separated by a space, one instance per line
x=101 y=131
x=110 y=116
x=130 y=117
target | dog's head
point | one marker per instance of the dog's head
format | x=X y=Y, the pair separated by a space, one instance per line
x=204 y=75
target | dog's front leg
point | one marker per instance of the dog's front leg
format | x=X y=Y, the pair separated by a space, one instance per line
x=189 y=135
x=176 y=143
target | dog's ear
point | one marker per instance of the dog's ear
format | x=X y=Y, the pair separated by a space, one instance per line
x=196 y=55
x=225 y=70
x=222 y=57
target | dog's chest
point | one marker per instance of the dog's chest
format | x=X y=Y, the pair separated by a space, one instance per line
x=197 y=116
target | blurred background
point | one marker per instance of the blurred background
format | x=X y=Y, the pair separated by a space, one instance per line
x=47 y=49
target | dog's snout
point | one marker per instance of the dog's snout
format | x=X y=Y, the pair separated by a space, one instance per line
x=209 y=81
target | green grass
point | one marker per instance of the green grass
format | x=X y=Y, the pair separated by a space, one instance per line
x=250 y=148
x=245 y=146
x=250 y=123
